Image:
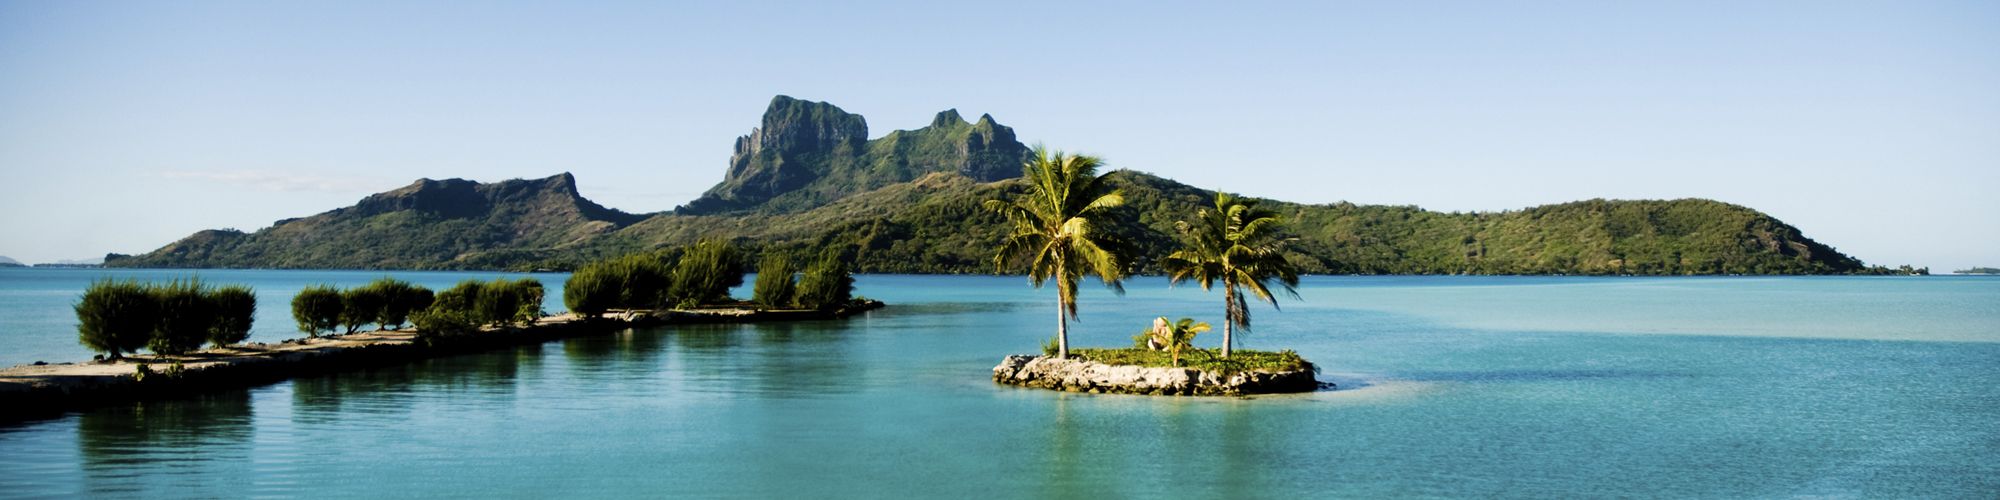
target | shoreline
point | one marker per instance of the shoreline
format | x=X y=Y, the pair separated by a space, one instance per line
x=30 y=392
x=1082 y=375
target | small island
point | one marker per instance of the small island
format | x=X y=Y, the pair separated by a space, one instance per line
x=1063 y=227
x=1140 y=371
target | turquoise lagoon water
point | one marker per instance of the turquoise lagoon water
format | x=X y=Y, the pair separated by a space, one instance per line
x=1451 y=386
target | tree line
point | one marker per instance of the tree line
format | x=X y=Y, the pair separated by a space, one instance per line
x=388 y=303
x=702 y=275
x=116 y=317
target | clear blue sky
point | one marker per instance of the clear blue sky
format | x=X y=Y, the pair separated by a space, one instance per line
x=1874 y=127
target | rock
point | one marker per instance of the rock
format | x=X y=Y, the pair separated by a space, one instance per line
x=806 y=153
x=1075 y=375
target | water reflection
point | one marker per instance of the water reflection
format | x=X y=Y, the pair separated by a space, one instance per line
x=395 y=390
x=793 y=359
x=597 y=357
x=164 y=445
x=1066 y=464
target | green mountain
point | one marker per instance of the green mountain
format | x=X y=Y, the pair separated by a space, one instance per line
x=429 y=224
x=809 y=153
x=910 y=202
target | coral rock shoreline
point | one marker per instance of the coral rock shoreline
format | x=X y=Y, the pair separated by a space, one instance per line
x=1079 y=375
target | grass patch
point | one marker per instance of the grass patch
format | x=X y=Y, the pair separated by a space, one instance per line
x=1200 y=359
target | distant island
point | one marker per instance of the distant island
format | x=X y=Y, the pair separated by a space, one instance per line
x=910 y=203
x=1978 y=270
x=9 y=262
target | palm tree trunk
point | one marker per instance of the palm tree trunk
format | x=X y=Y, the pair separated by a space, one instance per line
x=1228 y=318
x=1062 y=328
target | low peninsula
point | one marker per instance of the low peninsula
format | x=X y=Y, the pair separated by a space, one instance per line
x=47 y=390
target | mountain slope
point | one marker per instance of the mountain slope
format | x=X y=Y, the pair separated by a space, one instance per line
x=452 y=223
x=806 y=154
x=910 y=202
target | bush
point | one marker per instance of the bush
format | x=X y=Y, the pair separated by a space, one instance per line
x=590 y=291
x=529 y=296
x=498 y=302
x=400 y=300
x=435 y=324
x=317 y=308
x=115 y=317
x=184 y=317
x=362 y=305
x=235 y=308
x=826 y=284
x=642 y=281
x=459 y=298
x=706 y=272
x=775 y=285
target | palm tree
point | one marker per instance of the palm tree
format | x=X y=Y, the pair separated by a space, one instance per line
x=1178 y=336
x=1061 y=226
x=1237 y=244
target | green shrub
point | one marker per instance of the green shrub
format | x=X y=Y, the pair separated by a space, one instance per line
x=529 y=295
x=184 y=318
x=826 y=284
x=437 y=324
x=775 y=282
x=360 y=306
x=400 y=300
x=317 y=308
x=641 y=281
x=235 y=307
x=706 y=272
x=497 y=302
x=115 y=317
x=459 y=298
x=590 y=291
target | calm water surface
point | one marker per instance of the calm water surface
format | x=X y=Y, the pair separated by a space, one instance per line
x=1451 y=386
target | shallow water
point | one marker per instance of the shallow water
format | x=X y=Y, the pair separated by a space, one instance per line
x=1451 y=386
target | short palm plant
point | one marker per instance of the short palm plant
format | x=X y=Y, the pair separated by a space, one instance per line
x=1238 y=245
x=1176 y=336
x=1061 y=225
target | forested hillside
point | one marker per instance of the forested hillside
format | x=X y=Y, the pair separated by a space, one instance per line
x=909 y=202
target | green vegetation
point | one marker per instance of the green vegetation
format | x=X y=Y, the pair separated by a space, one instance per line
x=1237 y=244
x=706 y=272
x=235 y=308
x=826 y=283
x=703 y=274
x=806 y=154
x=361 y=306
x=402 y=300
x=1975 y=270
x=462 y=309
x=385 y=302
x=590 y=291
x=1061 y=225
x=1173 y=337
x=775 y=282
x=116 y=317
x=1199 y=359
x=318 y=309
x=494 y=303
x=184 y=317
x=910 y=202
